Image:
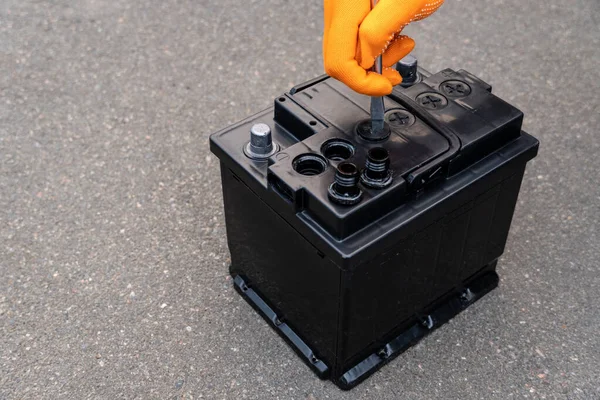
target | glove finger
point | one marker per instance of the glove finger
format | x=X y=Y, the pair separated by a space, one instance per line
x=339 y=50
x=341 y=22
x=361 y=81
x=392 y=75
x=399 y=49
x=428 y=9
x=382 y=24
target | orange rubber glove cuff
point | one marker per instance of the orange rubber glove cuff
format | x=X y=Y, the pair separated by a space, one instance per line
x=355 y=35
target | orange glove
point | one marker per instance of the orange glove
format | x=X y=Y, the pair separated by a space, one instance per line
x=355 y=35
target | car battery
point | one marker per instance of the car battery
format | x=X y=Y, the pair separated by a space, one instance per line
x=354 y=246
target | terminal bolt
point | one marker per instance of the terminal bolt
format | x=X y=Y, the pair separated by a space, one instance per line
x=261 y=144
x=408 y=69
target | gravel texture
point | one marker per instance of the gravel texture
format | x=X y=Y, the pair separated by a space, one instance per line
x=113 y=252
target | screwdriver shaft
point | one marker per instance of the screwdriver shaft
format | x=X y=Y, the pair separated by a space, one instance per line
x=377 y=107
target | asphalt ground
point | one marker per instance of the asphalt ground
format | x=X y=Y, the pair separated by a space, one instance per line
x=113 y=254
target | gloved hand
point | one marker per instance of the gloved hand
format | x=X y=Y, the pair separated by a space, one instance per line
x=355 y=35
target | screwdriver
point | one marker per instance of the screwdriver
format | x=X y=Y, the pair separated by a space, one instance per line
x=377 y=108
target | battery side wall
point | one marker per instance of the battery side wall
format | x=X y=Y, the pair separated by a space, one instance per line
x=297 y=281
x=385 y=295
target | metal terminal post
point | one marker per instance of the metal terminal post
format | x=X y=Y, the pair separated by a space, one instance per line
x=261 y=144
x=408 y=69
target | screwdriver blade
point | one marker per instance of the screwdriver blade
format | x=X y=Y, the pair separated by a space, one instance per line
x=377 y=113
x=377 y=107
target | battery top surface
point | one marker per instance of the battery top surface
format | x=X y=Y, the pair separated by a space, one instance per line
x=438 y=128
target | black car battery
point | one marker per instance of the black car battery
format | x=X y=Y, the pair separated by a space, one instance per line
x=354 y=246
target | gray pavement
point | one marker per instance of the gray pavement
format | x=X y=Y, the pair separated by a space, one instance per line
x=113 y=255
